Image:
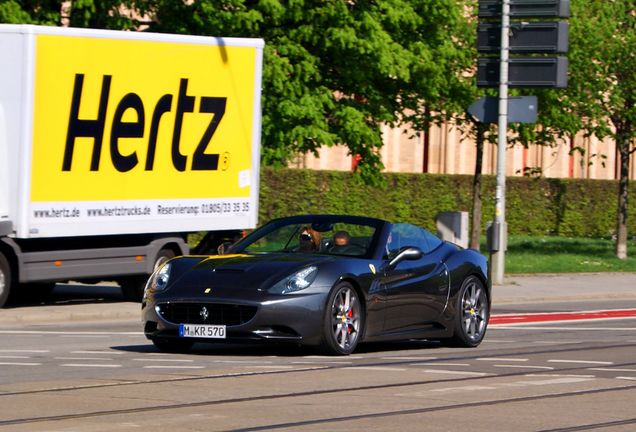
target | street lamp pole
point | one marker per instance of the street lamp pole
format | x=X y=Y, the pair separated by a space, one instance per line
x=498 y=255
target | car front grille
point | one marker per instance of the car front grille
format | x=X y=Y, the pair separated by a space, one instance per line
x=206 y=313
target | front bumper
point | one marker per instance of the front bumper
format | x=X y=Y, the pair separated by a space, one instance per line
x=296 y=317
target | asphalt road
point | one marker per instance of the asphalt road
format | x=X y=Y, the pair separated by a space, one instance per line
x=63 y=369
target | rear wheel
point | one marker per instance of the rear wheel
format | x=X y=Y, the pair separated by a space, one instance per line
x=343 y=321
x=172 y=345
x=471 y=315
x=132 y=287
x=5 y=280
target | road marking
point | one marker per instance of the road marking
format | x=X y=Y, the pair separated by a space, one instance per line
x=97 y=352
x=558 y=381
x=561 y=316
x=580 y=362
x=376 y=368
x=502 y=359
x=91 y=365
x=626 y=378
x=464 y=388
x=82 y=358
x=449 y=372
x=19 y=364
x=81 y=333
x=441 y=364
x=163 y=360
x=23 y=351
x=524 y=327
x=173 y=367
x=524 y=367
x=14 y=357
x=612 y=370
x=408 y=358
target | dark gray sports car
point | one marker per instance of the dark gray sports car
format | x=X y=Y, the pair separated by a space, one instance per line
x=326 y=281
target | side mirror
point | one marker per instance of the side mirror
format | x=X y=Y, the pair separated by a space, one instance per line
x=224 y=248
x=408 y=254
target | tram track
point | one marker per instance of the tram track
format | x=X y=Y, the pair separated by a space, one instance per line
x=578 y=369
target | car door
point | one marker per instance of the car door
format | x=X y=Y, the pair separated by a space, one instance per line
x=416 y=291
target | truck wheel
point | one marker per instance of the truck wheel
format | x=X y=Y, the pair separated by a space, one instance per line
x=5 y=280
x=132 y=287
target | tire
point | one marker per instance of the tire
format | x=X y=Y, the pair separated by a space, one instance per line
x=471 y=314
x=343 y=321
x=172 y=345
x=5 y=280
x=132 y=287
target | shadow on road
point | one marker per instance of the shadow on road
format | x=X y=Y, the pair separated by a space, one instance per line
x=66 y=294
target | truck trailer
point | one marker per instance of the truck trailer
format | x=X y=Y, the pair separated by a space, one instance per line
x=114 y=145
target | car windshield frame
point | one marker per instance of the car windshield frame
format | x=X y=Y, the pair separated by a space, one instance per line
x=361 y=246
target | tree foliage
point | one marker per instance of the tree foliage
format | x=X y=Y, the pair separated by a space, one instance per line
x=335 y=71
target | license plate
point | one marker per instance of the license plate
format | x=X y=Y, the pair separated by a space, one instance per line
x=202 y=331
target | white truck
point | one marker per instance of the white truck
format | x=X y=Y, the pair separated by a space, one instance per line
x=114 y=145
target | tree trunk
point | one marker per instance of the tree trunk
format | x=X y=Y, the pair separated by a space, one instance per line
x=475 y=232
x=623 y=195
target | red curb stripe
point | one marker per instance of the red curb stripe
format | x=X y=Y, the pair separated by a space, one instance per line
x=560 y=316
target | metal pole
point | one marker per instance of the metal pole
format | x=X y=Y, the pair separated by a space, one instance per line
x=498 y=256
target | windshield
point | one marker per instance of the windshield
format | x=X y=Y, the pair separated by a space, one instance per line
x=319 y=236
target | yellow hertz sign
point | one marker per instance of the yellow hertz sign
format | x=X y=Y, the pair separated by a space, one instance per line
x=140 y=120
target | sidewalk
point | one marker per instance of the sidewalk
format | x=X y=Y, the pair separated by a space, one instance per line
x=565 y=287
x=516 y=289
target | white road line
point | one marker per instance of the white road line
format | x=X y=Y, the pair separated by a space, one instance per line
x=163 y=360
x=626 y=378
x=376 y=368
x=97 y=352
x=449 y=372
x=408 y=358
x=82 y=358
x=91 y=365
x=85 y=336
x=558 y=381
x=173 y=367
x=14 y=357
x=464 y=388
x=502 y=359
x=523 y=367
x=580 y=362
x=322 y=362
x=328 y=357
x=441 y=364
x=523 y=327
x=275 y=367
x=612 y=370
x=19 y=364
x=23 y=351
x=38 y=332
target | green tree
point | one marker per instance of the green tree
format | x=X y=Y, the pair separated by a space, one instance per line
x=600 y=97
x=335 y=71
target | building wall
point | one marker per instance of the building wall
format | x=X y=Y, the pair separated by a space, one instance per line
x=445 y=150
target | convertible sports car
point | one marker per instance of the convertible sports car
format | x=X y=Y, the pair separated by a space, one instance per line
x=327 y=281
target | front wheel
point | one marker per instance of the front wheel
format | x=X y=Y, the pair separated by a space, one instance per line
x=5 y=280
x=471 y=315
x=343 y=321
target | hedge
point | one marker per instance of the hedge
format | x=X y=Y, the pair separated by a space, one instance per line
x=534 y=206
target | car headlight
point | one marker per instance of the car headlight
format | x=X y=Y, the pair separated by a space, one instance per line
x=296 y=282
x=159 y=279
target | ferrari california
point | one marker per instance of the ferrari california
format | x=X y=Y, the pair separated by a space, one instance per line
x=330 y=282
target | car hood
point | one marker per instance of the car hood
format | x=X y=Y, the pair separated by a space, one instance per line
x=258 y=271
